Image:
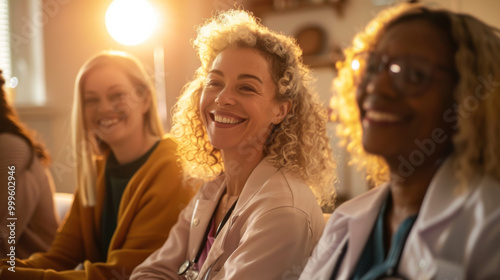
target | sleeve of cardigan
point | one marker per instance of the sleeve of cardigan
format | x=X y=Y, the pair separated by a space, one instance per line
x=15 y=152
x=152 y=210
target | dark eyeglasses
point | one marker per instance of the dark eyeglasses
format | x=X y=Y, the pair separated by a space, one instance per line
x=411 y=75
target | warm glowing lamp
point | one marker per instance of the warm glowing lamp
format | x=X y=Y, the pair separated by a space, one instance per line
x=130 y=22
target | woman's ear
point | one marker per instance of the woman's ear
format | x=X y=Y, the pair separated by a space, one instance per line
x=282 y=110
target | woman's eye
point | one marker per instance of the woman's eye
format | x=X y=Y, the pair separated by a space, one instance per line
x=247 y=88
x=416 y=77
x=371 y=67
x=117 y=96
x=213 y=83
x=90 y=100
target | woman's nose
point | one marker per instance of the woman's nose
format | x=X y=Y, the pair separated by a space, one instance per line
x=381 y=83
x=225 y=97
x=105 y=106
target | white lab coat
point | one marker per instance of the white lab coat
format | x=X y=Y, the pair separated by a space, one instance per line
x=456 y=235
x=271 y=232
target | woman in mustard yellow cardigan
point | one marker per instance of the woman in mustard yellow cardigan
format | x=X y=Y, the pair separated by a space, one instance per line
x=130 y=190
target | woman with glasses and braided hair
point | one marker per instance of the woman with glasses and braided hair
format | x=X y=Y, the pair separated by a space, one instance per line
x=420 y=99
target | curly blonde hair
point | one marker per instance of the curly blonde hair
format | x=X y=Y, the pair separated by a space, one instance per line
x=477 y=99
x=299 y=143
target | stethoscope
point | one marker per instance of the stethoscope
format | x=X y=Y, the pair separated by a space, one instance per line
x=187 y=267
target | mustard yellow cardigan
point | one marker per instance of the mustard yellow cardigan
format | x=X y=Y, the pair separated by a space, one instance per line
x=149 y=207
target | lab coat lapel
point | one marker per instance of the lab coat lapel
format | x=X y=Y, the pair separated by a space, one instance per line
x=361 y=222
x=202 y=214
x=261 y=173
x=442 y=202
x=442 y=199
x=255 y=181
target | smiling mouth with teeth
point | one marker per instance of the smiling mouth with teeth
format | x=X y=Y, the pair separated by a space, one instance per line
x=226 y=120
x=110 y=122
x=382 y=117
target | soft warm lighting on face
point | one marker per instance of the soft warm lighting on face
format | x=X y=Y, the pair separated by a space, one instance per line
x=130 y=22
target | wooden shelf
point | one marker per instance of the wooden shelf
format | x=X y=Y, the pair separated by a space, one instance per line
x=262 y=7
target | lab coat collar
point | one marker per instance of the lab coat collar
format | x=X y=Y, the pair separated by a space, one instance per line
x=261 y=173
x=361 y=221
x=443 y=199
x=202 y=214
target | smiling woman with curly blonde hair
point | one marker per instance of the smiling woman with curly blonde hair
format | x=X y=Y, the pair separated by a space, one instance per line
x=250 y=125
x=299 y=143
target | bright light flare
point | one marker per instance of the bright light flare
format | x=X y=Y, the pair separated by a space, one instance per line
x=13 y=82
x=355 y=64
x=395 y=68
x=130 y=22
